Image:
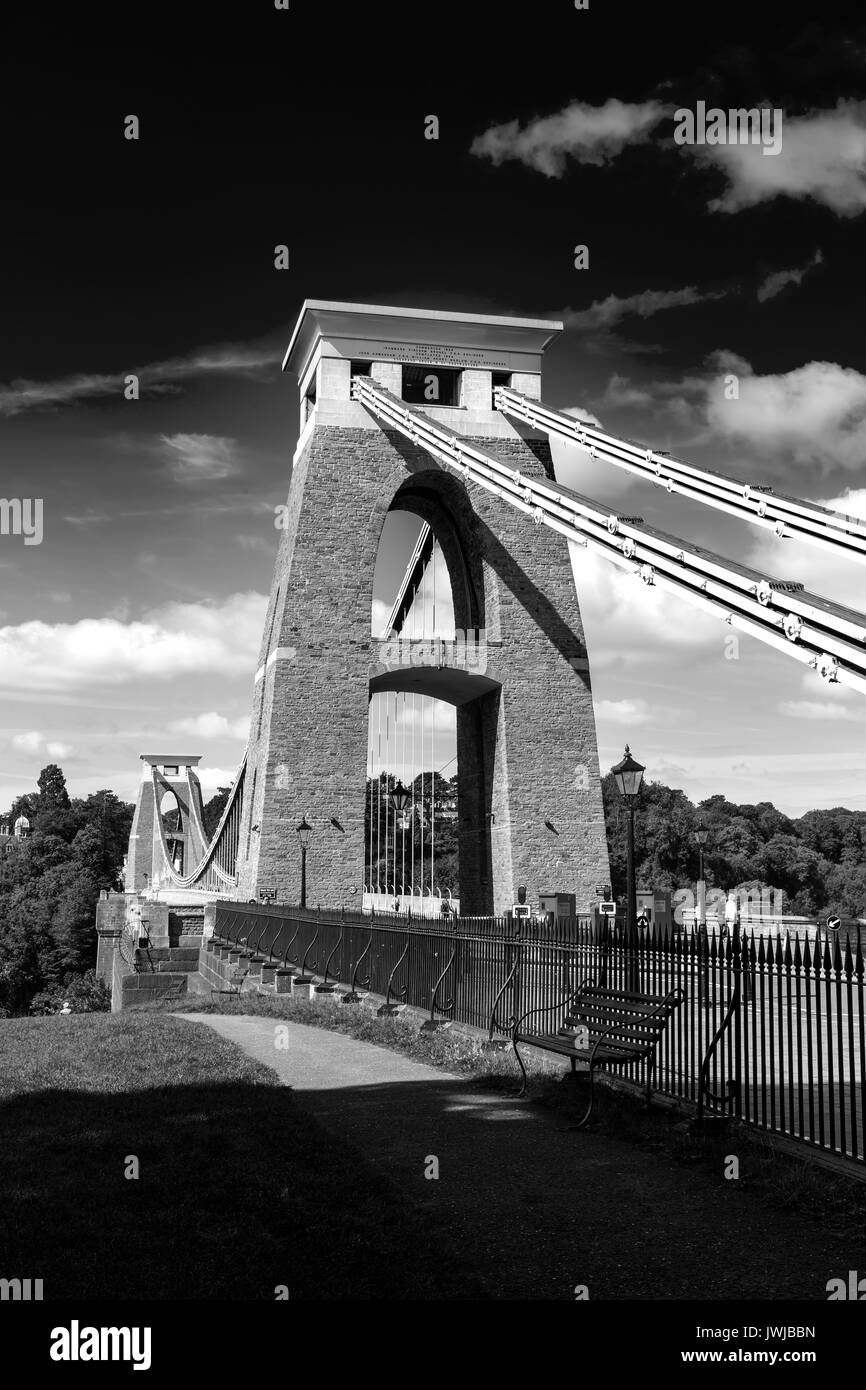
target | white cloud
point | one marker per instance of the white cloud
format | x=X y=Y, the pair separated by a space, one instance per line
x=823 y=157
x=821 y=710
x=587 y=134
x=212 y=725
x=231 y=360
x=635 y=624
x=605 y=313
x=425 y=715
x=27 y=743
x=59 y=750
x=90 y=517
x=623 y=711
x=781 y=279
x=832 y=693
x=167 y=642
x=620 y=392
x=193 y=458
x=585 y=415
x=813 y=414
x=33 y=742
x=632 y=625
x=211 y=778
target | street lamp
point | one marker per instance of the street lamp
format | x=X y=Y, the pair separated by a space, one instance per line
x=400 y=798
x=701 y=837
x=628 y=775
x=304 y=833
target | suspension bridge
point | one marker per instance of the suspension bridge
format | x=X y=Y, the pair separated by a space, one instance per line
x=478 y=662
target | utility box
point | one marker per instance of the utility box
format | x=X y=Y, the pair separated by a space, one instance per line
x=655 y=906
x=558 y=904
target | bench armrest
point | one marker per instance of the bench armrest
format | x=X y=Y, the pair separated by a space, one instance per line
x=549 y=1008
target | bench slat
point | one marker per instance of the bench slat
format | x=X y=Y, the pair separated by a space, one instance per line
x=609 y=1018
x=622 y=995
x=606 y=1053
x=611 y=1006
x=624 y=1039
x=602 y=1022
x=601 y=1025
x=590 y=1019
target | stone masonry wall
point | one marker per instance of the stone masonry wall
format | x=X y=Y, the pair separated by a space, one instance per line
x=527 y=751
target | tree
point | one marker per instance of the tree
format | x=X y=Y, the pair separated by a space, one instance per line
x=49 y=886
x=54 y=813
x=430 y=834
x=111 y=819
x=85 y=994
x=24 y=805
x=213 y=809
x=53 y=795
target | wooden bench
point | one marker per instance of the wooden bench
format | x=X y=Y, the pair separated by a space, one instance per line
x=234 y=982
x=604 y=1027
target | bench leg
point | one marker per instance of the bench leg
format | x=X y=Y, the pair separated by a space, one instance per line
x=581 y=1122
x=522 y=1067
x=649 y=1082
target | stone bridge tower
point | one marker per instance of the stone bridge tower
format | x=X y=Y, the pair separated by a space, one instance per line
x=164 y=773
x=530 y=806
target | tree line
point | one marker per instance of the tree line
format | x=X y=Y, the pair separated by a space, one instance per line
x=818 y=860
x=50 y=881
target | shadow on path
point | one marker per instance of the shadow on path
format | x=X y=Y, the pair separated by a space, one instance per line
x=535 y=1210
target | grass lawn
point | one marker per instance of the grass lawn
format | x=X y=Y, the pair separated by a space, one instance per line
x=239 y=1191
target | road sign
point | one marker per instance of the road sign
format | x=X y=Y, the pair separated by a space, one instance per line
x=520 y=910
x=607 y=909
x=267 y=895
x=643 y=921
x=834 y=922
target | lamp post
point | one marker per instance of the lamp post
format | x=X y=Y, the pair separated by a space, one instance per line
x=628 y=775
x=400 y=798
x=701 y=837
x=304 y=833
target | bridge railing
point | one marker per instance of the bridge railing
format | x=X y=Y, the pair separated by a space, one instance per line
x=777 y=1023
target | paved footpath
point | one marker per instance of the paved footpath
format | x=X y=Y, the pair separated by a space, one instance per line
x=539 y=1211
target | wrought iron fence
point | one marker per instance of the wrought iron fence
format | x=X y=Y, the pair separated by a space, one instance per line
x=772 y=1031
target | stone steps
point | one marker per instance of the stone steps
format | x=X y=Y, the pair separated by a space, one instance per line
x=264 y=976
x=167 y=958
x=140 y=989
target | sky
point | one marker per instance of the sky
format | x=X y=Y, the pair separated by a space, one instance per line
x=135 y=624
